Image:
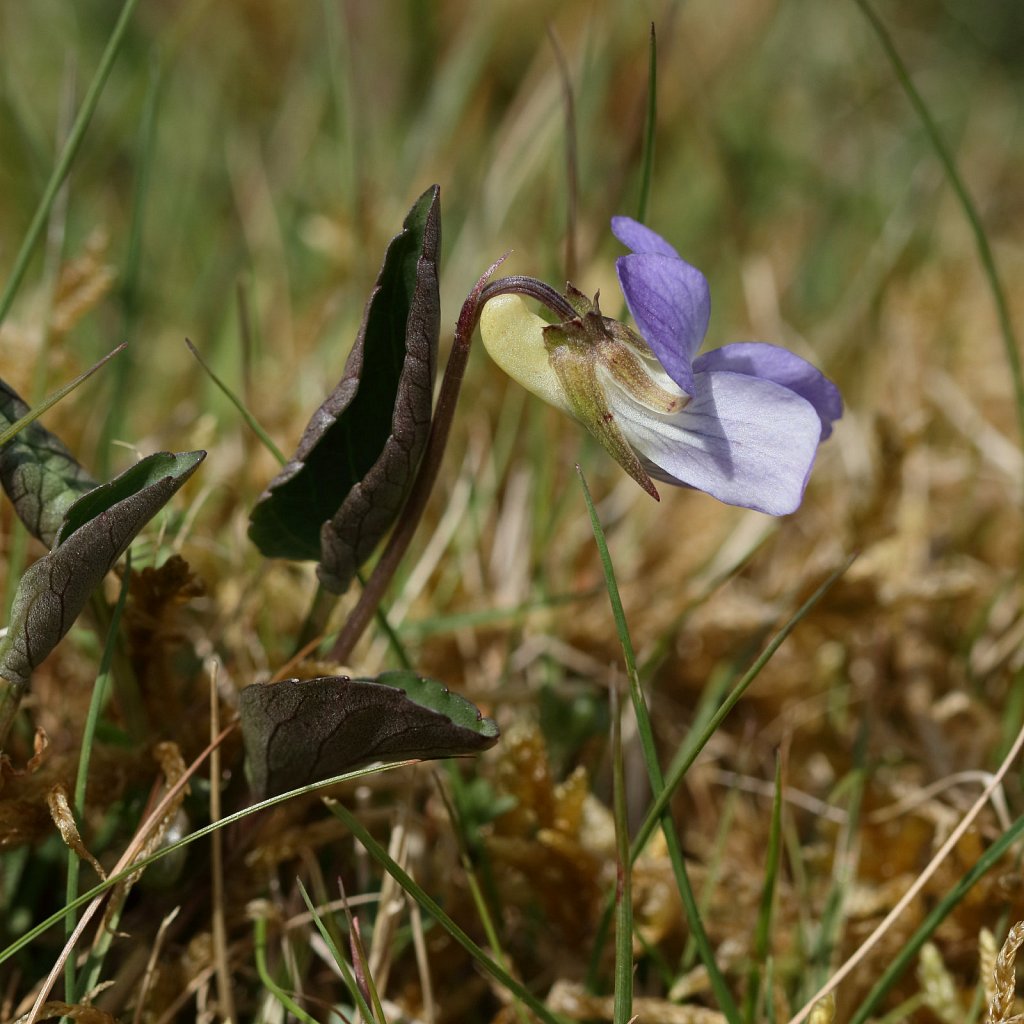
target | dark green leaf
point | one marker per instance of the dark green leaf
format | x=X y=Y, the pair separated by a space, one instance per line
x=38 y=472
x=298 y=732
x=53 y=591
x=351 y=473
x=152 y=476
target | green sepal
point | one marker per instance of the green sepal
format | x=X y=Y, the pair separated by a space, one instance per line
x=575 y=349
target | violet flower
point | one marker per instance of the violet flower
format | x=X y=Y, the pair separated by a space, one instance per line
x=741 y=422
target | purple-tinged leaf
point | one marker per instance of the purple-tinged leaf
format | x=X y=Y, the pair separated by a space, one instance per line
x=351 y=473
x=298 y=732
x=38 y=472
x=96 y=530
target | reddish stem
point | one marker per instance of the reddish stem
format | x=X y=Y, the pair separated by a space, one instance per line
x=440 y=427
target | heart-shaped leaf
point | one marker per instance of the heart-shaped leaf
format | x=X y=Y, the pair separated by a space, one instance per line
x=40 y=475
x=300 y=731
x=96 y=530
x=345 y=485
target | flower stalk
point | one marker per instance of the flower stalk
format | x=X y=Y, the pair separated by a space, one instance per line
x=440 y=427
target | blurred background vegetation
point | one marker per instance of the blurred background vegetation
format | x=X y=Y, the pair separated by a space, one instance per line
x=250 y=159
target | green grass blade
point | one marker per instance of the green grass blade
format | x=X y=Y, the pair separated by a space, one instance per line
x=683 y=765
x=251 y=420
x=442 y=624
x=572 y=173
x=98 y=890
x=260 y=950
x=647 y=164
x=122 y=383
x=67 y=156
x=52 y=399
x=475 y=889
x=988 y=262
x=96 y=702
x=762 y=931
x=832 y=916
x=905 y=956
x=343 y=964
x=495 y=970
x=725 y=1000
x=680 y=765
x=623 y=1003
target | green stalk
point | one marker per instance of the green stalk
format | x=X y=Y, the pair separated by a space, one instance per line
x=623 y=1001
x=67 y=156
x=762 y=932
x=662 y=794
x=251 y=421
x=988 y=262
x=909 y=950
x=380 y=855
x=260 y=949
x=681 y=765
x=346 y=971
x=96 y=702
x=650 y=124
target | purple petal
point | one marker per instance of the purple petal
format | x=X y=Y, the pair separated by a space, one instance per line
x=633 y=235
x=671 y=305
x=744 y=440
x=773 y=363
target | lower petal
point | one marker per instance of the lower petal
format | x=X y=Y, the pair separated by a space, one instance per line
x=773 y=363
x=744 y=440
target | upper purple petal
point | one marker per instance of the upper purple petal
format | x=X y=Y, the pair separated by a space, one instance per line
x=744 y=440
x=671 y=305
x=770 y=362
x=634 y=235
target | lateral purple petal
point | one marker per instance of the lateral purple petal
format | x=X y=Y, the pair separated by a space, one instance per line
x=757 y=359
x=744 y=440
x=634 y=235
x=671 y=305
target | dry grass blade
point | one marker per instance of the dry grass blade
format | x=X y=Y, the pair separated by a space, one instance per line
x=64 y=819
x=1004 y=979
x=143 y=840
x=919 y=883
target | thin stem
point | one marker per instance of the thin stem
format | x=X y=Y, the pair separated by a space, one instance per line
x=919 y=883
x=655 y=775
x=967 y=204
x=96 y=702
x=519 y=284
x=254 y=424
x=650 y=123
x=315 y=624
x=67 y=156
x=52 y=399
x=440 y=427
x=572 y=172
x=494 y=969
x=623 y=991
